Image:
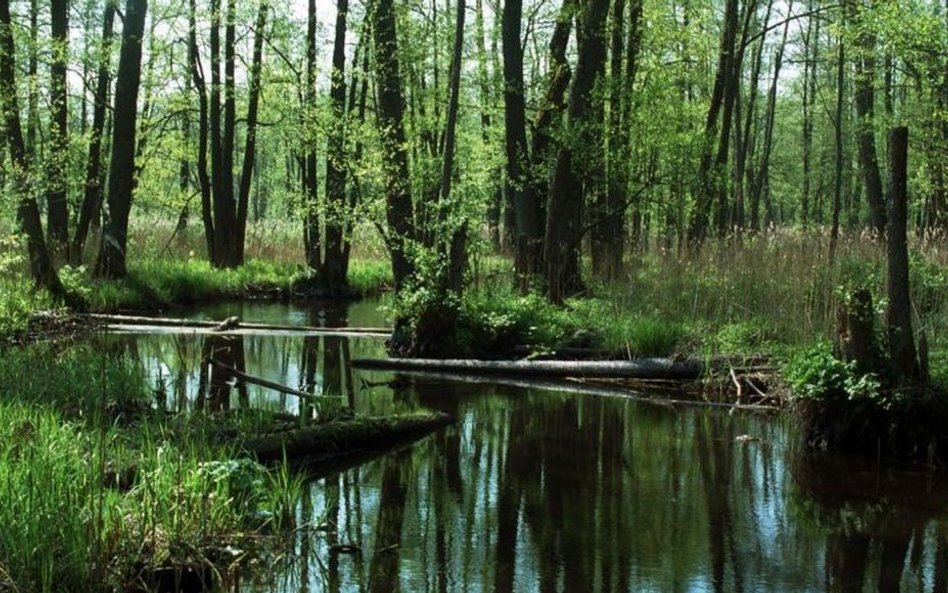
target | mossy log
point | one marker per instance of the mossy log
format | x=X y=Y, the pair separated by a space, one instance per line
x=642 y=368
x=343 y=436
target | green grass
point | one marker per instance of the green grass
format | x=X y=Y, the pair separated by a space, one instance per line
x=65 y=424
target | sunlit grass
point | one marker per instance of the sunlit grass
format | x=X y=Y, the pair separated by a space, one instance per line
x=71 y=421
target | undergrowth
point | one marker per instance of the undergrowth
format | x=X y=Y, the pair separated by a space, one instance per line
x=70 y=420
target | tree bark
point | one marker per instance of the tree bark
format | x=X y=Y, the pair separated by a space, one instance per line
x=204 y=181
x=709 y=173
x=865 y=98
x=112 y=252
x=456 y=247
x=92 y=199
x=579 y=162
x=28 y=215
x=335 y=264
x=311 y=224
x=761 y=187
x=250 y=148
x=607 y=240
x=391 y=109
x=486 y=98
x=838 y=137
x=811 y=47
x=902 y=352
x=528 y=230
x=57 y=164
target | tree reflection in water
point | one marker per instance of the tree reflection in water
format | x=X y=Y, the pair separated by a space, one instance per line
x=540 y=491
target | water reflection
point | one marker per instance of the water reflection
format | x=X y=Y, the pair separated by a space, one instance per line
x=541 y=491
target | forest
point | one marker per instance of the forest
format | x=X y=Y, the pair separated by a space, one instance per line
x=242 y=239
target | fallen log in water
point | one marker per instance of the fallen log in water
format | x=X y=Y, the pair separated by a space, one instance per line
x=228 y=324
x=343 y=436
x=664 y=399
x=643 y=368
x=242 y=376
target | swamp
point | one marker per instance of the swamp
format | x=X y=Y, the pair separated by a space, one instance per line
x=463 y=296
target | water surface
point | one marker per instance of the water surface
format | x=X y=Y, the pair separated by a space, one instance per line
x=544 y=490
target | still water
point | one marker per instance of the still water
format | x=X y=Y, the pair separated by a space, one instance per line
x=539 y=490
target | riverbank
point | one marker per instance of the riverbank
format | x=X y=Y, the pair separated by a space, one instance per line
x=100 y=489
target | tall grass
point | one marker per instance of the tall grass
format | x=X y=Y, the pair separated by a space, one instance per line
x=765 y=293
x=779 y=288
x=65 y=431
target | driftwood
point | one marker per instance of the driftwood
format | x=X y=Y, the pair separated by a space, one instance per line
x=642 y=369
x=344 y=436
x=264 y=382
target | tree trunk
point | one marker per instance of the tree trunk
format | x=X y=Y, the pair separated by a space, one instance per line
x=457 y=242
x=335 y=265
x=607 y=234
x=311 y=230
x=57 y=163
x=111 y=262
x=391 y=109
x=811 y=48
x=92 y=199
x=838 y=136
x=579 y=162
x=528 y=225
x=487 y=103
x=204 y=182
x=748 y=146
x=761 y=187
x=549 y=116
x=864 y=88
x=28 y=215
x=250 y=149
x=709 y=174
x=902 y=352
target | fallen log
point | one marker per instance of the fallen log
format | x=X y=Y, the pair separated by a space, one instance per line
x=343 y=436
x=265 y=382
x=580 y=388
x=241 y=331
x=642 y=369
x=229 y=323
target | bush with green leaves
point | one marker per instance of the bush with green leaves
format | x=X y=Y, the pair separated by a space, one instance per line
x=816 y=373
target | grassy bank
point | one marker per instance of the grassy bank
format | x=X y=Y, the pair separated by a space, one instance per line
x=770 y=294
x=68 y=419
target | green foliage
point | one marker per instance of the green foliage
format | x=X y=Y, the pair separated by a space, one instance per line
x=369 y=277
x=67 y=432
x=497 y=320
x=815 y=373
x=155 y=283
x=743 y=337
x=76 y=281
x=19 y=298
x=79 y=382
x=617 y=329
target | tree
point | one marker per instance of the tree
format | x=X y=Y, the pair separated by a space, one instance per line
x=112 y=252
x=528 y=231
x=335 y=263
x=57 y=209
x=28 y=215
x=92 y=197
x=224 y=213
x=579 y=161
x=391 y=110
x=864 y=81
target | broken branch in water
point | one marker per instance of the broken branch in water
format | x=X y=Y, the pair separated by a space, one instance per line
x=264 y=382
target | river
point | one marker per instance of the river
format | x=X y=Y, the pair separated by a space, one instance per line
x=544 y=490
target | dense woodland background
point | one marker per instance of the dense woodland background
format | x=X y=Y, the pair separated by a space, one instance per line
x=569 y=134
